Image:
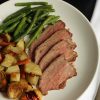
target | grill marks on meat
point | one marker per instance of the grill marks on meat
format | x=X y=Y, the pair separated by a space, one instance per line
x=54 y=52
x=56 y=74
x=45 y=46
x=60 y=48
x=49 y=30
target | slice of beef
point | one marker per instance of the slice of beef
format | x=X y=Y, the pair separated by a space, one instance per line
x=70 y=55
x=63 y=84
x=58 y=49
x=45 y=46
x=56 y=74
x=49 y=30
x=73 y=44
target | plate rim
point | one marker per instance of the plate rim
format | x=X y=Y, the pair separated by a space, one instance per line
x=95 y=36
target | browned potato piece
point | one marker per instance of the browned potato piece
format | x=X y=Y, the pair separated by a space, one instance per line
x=8 y=60
x=24 y=84
x=15 y=77
x=21 y=44
x=32 y=95
x=38 y=93
x=16 y=50
x=22 y=56
x=29 y=88
x=8 y=37
x=1 y=68
x=15 y=89
x=7 y=49
x=12 y=48
x=3 y=81
x=32 y=68
x=12 y=69
x=33 y=80
x=5 y=37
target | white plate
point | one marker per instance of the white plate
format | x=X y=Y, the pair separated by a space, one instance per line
x=87 y=48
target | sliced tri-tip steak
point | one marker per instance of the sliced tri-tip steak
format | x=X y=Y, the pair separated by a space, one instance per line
x=56 y=74
x=58 y=49
x=48 y=31
x=46 y=45
x=70 y=55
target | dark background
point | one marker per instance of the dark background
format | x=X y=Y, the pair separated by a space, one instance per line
x=85 y=6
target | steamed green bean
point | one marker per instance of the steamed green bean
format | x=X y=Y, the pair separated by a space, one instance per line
x=30 y=3
x=21 y=24
x=11 y=28
x=17 y=13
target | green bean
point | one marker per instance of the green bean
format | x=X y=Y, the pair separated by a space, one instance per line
x=12 y=21
x=51 y=21
x=33 y=22
x=30 y=3
x=55 y=19
x=35 y=28
x=29 y=19
x=21 y=24
x=17 y=13
x=37 y=33
x=23 y=28
x=21 y=31
x=31 y=26
x=44 y=8
x=11 y=28
x=43 y=15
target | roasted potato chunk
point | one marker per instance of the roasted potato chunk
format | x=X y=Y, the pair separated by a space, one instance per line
x=16 y=50
x=21 y=44
x=1 y=68
x=3 y=81
x=15 y=89
x=22 y=56
x=11 y=48
x=12 y=69
x=15 y=77
x=8 y=37
x=32 y=95
x=7 y=49
x=8 y=60
x=38 y=93
x=29 y=88
x=33 y=80
x=32 y=68
x=24 y=84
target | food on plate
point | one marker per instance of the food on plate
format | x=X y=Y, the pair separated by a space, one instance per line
x=32 y=68
x=61 y=47
x=45 y=46
x=55 y=56
x=47 y=32
x=3 y=81
x=32 y=95
x=56 y=74
x=32 y=79
x=37 y=52
x=15 y=89
x=8 y=61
